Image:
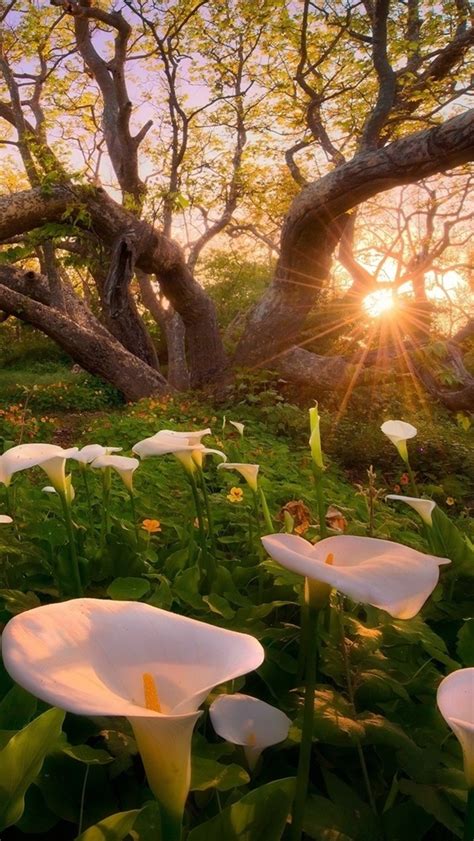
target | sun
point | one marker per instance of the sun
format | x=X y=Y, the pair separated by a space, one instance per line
x=379 y=303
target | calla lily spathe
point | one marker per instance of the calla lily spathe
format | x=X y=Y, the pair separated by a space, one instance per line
x=92 y=451
x=71 y=493
x=399 y=432
x=315 y=438
x=239 y=427
x=423 y=507
x=50 y=457
x=381 y=573
x=186 y=447
x=247 y=721
x=248 y=471
x=98 y=657
x=5 y=519
x=455 y=701
x=124 y=466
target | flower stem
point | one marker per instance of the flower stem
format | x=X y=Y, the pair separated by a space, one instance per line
x=304 y=761
x=350 y=691
x=413 y=485
x=207 y=504
x=171 y=825
x=260 y=554
x=469 y=824
x=88 y=493
x=75 y=575
x=209 y=563
x=318 y=482
x=106 y=482
x=266 y=512
x=134 y=513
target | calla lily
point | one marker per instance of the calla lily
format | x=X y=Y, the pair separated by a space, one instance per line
x=199 y=453
x=124 y=466
x=315 y=437
x=5 y=519
x=192 y=437
x=455 y=701
x=186 y=447
x=423 y=507
x=92 y=451
x=239 y=427
x=381 y=573
x=399 y=432
x=50 y=457
x=247 y=721
x=248 y=471
x=97 y=657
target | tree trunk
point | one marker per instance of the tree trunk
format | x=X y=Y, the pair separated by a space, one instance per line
x=173 y=328
x=316 y=220
x=93 y=349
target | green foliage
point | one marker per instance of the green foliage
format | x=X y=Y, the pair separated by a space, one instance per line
x=93 y=772
x=234 y=284
x=21 y=761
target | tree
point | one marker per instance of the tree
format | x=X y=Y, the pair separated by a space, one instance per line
x=369 y=98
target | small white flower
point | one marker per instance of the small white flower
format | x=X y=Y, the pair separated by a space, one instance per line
x=399 y=432
x=455 y=701
x=124 y=466
x=423 y=507
x=247 y=721
x=5 y=519
x=248 y=471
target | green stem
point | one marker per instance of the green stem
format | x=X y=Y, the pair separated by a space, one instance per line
x=350 y=691
x=304 y=761
x=88 y=493
x=318 y=482
x=413 y=485
x=469 y=824
x=171 y=825
x=266 y=512
x=209 y=563
x=207 y=504
x=134 y=513
x=106 y=483
x=75 y=575
x=260 y=553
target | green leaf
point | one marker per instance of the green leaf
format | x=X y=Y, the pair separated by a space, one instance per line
x=113 y=828
x=259 y=816
x=219 y=605
x=88 y=755
x=123 y=589
x=22 y=759
x=207 y=773
x=16 y=708
x=434 y=803
x=465 y=646
x=17 y=602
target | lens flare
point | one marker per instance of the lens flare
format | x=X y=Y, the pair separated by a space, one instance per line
x=379 y=303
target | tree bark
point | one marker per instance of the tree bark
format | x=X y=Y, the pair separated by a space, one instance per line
x=93 y=349
x=316 y=220
x=156 y=254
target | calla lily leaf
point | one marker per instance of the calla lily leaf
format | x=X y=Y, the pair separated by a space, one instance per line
x=128 y=588
x=21 y=761
x=114 y=828
x=259 y=816
x=207 y=773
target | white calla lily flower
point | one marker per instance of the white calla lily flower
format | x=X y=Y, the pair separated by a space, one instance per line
x=455 y=701
x=123 y=465
x=239 y=427
x=423 y=507
x=247 y=721
x=381 y=573
x=92 y=451
x=50 y=457
x=192 y=437
x=186 y=447
x=399 y=432
x=5 y=519
x=98 y=657
x=248 y=471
